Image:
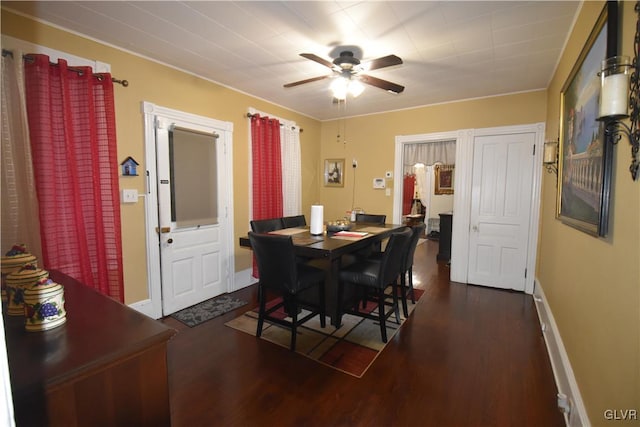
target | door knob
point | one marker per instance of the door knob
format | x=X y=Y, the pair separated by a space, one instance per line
x=474 y=228
x=169 y=240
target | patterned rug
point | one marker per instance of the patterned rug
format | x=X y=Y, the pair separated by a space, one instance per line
x=351 y=349
x=207 y=310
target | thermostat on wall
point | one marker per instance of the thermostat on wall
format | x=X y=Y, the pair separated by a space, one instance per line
x=378 y=183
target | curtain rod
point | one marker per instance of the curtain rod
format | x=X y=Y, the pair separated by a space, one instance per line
x=99 y=76
x=249 y=115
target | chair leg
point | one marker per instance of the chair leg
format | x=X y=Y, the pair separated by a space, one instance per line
x=339 y=304
x=413 y=295
x=323 y=321
x=403 y=295
x=394 y=292
x=381 y=316
x=294 y=323
x=262 y=303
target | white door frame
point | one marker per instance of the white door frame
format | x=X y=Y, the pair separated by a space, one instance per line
x=153 y=306
x=462 y=192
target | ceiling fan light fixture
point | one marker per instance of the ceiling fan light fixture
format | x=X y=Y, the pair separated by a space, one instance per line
x=355 y=88
x=342 y=86
x=339 y=88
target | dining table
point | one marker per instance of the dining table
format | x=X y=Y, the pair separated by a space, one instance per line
x=329 y=249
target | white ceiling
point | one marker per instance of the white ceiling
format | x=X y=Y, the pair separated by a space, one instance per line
x=451 y=50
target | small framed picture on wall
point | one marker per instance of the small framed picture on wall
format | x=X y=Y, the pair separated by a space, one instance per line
x=444 y=179
x=334 y=173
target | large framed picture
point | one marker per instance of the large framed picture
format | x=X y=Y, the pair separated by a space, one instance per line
x=334 y=173
x=444 y=179
x=585 y=161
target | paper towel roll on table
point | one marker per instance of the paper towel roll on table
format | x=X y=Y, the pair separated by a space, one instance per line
x=317 y=223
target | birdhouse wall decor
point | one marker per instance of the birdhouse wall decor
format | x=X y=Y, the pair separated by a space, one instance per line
x=129 y=167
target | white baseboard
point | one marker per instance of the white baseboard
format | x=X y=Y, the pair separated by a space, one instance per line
x=562 y=371
x=243 y=279
x=144 y=307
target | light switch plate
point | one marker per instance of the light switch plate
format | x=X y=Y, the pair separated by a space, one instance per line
x=130 y=196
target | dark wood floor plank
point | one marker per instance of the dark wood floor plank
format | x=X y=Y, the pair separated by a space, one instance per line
x=468 y=356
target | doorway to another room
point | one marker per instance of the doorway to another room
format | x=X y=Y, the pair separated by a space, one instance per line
x=428 y=177
x=522 y=143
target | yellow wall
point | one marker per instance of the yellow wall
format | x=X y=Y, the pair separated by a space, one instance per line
x=593 y=285
x=371 y=140
x=167 y=87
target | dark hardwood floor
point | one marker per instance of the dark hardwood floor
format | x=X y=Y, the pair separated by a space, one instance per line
x=468 y=356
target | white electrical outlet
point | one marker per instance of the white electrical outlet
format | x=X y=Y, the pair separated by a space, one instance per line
x=130 y=196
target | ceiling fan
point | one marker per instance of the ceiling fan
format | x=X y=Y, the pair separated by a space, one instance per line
x=350 y=69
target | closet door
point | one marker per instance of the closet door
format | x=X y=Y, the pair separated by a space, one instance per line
x=501 y=198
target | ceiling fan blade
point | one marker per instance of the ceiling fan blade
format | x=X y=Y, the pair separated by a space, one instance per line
x=317 y=59
x=301 y=82
x=382 y=84
x=385 y=61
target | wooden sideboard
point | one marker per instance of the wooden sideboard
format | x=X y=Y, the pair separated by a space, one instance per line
x=107 y=365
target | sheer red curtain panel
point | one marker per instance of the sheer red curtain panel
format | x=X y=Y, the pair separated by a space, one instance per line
x=71 y=117
x=266 y=157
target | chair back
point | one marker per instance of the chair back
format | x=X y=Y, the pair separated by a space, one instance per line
x=372 y=218
x=417 y=231
x=276 y=261
x=294 y=221
x=393 y=257
x=266 y=225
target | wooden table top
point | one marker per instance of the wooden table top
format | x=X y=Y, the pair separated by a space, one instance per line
x=331 y=245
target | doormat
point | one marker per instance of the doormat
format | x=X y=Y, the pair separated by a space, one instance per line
x=207 y=310
x=351 y=349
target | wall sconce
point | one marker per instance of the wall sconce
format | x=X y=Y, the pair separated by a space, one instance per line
x=550 y=156
x=618 y=101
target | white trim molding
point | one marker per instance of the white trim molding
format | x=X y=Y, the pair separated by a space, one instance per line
x=562 y=371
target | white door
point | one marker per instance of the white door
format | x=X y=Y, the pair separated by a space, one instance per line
x=500 y=209
x=190 y=208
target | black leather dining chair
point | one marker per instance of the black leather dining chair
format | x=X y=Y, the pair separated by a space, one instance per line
x=375 y=277
x=407 y=267
x=294 y=221
x=372 y=218
x=376 y=248
x=266 y=225
x=281 y=275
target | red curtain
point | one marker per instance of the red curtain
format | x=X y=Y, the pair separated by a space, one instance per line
x=407 y=193
x=267 y=167
x=73 y=137
x=266 y=170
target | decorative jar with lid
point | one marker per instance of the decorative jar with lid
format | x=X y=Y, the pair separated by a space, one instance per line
x=44 y=305
x=17 y=282
x=14 y=260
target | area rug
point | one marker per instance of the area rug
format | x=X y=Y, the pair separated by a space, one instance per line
x=351 y=349
x=207 y=310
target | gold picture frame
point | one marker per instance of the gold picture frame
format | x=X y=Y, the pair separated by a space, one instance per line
x=444 y=179
x=334 y=173
x=584 y=159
